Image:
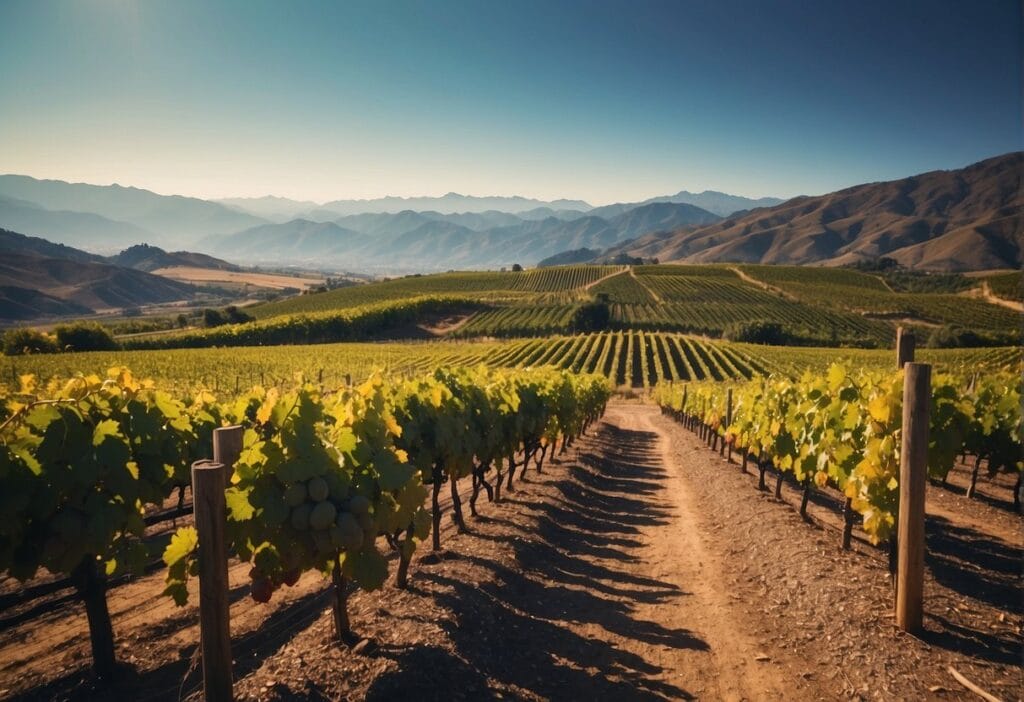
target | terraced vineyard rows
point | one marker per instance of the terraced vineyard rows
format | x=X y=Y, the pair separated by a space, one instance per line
x=481 y=286
x=636 y=359
x=866 y=294
x=1009 y=286
x=624 y=289
x=520 y=321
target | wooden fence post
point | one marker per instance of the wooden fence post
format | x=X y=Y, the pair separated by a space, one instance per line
x=913 y=474
x=728 y=421
x=227 y=447
x=214 y=624
x=905 y=345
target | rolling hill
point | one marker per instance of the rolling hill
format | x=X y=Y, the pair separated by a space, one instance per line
x=966 y=219
x=143 y=257
x=42 y=279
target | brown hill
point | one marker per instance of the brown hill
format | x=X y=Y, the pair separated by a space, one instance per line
x=143 y=257
x=41 y=279
x=966 y=219
x=32 y=285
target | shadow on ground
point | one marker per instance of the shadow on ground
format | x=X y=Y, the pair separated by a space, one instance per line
x=525 y=627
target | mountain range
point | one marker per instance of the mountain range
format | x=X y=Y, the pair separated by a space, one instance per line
x=106 y=218
x=950 y=220
x=431 y=240
x=966 y=219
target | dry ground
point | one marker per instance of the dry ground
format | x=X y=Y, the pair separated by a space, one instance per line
x=205 y=276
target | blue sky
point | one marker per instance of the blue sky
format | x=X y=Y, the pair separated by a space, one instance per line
x=603 y=101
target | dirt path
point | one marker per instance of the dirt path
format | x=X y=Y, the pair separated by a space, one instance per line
x=727 y=666
x=603 y=278
x=760 y=283
x=657 y=298
x=986 y=294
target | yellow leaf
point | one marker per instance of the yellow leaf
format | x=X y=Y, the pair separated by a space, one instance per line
x=393 y=426
x=878 y=408
x=28 y=384
x=263 y=414
x=836 y=376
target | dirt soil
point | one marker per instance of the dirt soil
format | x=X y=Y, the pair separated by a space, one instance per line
x=641 y=566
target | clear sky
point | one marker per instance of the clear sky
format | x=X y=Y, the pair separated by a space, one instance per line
x=603 y=101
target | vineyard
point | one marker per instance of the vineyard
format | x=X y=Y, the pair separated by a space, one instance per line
x=318 y=477
x=512 y=285
x=842 y=429
x=636 y=360
x=670 y=356
x=867 y=295
x=809 y=307
x=388 y=505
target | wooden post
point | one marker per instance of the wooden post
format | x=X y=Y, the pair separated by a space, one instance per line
x=728 y=420
x=913 y=474
x=905 y=345
x=227 y=447
x=214 y=624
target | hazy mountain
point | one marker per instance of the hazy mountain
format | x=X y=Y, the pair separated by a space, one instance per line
x=478 y=221
x=172 y=220
x=143 y=257
x=270 y=207
x=721 y=204
x=567 y=258
x=448 y=204
x=15 y=243
x=298 y=241
x=39 y=278
x=434 y=241
x=385 y=224
x=545 y=212
x=659 y=216
x=528 y=242
x=966 y=219
x=614 y=210
x=80 y=229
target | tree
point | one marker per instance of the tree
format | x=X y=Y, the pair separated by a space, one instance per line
x=516 y=268
x=591 y=317
x=24 y=340
x=758 y=333
x=84 y=336
x=213 y=318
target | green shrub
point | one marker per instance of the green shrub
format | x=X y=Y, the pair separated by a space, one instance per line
x=25 y=340
x=84 y=336
x=758 y=333
x=591 y=317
